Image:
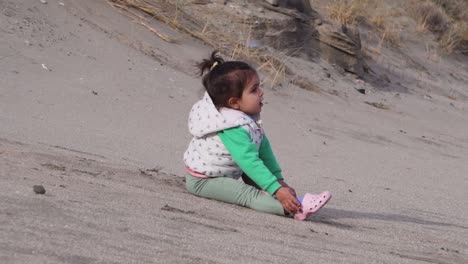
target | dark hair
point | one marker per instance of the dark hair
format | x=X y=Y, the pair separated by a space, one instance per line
x=224 y=79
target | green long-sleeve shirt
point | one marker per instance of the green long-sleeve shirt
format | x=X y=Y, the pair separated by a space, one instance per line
x=260 y=165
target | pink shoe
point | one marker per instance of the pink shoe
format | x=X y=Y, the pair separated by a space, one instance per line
x=311 y=203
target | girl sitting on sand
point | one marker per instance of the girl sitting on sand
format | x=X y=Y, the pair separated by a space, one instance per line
x=229 y=143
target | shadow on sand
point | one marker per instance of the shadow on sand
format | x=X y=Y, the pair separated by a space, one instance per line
x=331 y=216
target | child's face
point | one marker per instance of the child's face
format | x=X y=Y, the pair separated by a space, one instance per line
x=252 y=97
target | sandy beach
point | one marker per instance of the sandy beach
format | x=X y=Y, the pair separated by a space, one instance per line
x=94 y=108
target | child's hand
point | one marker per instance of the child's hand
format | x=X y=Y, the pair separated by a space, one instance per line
x=284 y=184
x=288 y=200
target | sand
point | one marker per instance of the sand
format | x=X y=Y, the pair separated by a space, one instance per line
x=94 y=108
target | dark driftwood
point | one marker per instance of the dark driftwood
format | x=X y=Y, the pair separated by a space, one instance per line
x=289 y=12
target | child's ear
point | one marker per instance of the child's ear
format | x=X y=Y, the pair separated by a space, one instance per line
x=233 y=103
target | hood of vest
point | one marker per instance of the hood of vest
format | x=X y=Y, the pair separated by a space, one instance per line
x=205 y=118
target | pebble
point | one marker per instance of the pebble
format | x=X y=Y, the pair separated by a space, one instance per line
x=39 y=189
x=43 y=1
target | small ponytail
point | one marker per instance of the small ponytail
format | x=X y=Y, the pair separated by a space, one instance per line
x=211 y=63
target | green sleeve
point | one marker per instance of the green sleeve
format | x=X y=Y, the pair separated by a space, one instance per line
x=245 y=154
x=266 y=154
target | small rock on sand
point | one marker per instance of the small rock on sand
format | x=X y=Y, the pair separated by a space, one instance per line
x=39 y=189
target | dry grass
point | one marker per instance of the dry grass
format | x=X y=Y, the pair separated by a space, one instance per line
x=456 y=38
x=172 y=17
x=237 y=47
x=372 y=14
x=448 y=19
x=457 y=9
x=348 y=12
x=430 y=16
x=389 y=35
x=344 y=12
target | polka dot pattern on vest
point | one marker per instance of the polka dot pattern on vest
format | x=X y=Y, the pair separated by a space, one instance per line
x=206 y=152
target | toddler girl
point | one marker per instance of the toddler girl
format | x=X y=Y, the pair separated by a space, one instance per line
x=229 y=143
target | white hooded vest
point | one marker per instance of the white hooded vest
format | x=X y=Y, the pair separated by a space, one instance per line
x=206 y=153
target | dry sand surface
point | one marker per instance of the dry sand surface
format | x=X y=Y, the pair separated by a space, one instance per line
x=93 y=107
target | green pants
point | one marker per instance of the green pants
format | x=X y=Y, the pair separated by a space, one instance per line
x=232 y=191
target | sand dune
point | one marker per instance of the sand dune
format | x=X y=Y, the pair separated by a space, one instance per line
x=94 y=107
